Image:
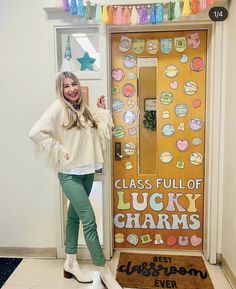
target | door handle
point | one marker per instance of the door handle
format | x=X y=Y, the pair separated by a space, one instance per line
x=118 y=155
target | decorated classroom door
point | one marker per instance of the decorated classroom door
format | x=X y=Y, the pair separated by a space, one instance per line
x=158 y=90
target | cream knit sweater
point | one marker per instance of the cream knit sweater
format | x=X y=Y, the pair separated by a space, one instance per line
x=83 y=145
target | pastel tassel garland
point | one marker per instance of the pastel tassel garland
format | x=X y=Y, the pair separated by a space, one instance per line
x=203 y=5
x=160 y=12
x=58 y=4
x=134 y=18
x=177 y=12
x=80 y=9
x=73 y=7
x=153 y=14
x=104 y=14
x=98 y=14
x=143 y=17
x=194 y=7
x=118 y=15
x=66 y=5
x=111 y=15
x=88 y=11
x=210 y=2
x=126 y=16
x=186 y=8
x=171 y=15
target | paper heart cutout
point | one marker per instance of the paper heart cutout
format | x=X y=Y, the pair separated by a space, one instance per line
x=196 y=103
x=174 y=84
x=195 y=241
x=117 y=74
x=182 y=144
x=171 y=240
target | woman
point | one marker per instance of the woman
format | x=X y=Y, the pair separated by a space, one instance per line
x=71 y=138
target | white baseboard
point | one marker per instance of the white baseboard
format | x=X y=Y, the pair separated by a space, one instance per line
x=228 y=273
x=23 y=252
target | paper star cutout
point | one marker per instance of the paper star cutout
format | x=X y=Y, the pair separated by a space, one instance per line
x=86 y=62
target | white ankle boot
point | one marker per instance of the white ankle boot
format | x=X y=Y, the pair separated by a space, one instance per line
x=108 y=279
x=72 y=270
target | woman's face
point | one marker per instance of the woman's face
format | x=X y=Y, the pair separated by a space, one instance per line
x=71 y=90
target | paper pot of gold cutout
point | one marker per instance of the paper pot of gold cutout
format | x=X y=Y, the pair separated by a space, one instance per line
x=196 y=159
x=125 y=43
x=117 y=105
x=184 y=58
x=129 y=117
x=138 y=46
x=197 y=64
x=118 y=131
x=128 y=90
x=152 y=46
x=166 y=97
x=166 y=45
x=180 y=44
x=166 y=157
x=129 y=148
x=119 y=238
x=190 y=87
x=132 y=239
x=181 y=110
x=193 y=40
x=195 y=124
x=171 y=70
x=168 y=129
x=129 y=61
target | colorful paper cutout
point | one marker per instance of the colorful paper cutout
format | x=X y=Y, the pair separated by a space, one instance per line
x=171 y=71
x=117 y=105
x=129 y=61
x=196 y=102
x=183 y=240
x=181 y=110
x=196 y=159
x=128 y=90
x=196 y=141
x=128 y=165
x=129 y=116
x=195 y=241
x=174 y=84
x=132 y=131
x=118 y=131
x=184 y=58
x=165 y=114
x=180 y=44
x=166 y=97
x=180 y=165
x=119 y=238
x=166 y=157
x=131 y=75
x=193 y=40
x=195 y=124
x=86 y=62
x=115 y=89
x=145 y=239
x=168 y=129
x=171 y=240
x=152 y=46
x=182 y=145
x=158 y=239
x=132 y=239
x=117 y=74
x=181 y=126
x=138 y=46
x=166 y=45
x=129 y=148
x=125 y=43
x=130 y=103
x=190 y=87
x=197 y=64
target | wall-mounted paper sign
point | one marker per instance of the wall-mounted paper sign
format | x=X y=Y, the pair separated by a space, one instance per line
x=150 y=104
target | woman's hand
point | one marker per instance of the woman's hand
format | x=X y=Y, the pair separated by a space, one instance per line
x=101 y=102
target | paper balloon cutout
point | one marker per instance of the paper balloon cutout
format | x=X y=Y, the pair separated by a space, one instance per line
x=86 y=62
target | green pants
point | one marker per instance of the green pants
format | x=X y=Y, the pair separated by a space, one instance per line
x=77 y=189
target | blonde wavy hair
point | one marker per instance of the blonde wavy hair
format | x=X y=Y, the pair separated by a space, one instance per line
x=73 y=115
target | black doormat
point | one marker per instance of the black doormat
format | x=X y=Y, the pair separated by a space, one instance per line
x=7 y=266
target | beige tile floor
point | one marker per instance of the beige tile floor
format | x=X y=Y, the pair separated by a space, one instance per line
x=47 y=274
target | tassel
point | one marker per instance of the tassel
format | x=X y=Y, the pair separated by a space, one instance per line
x=160 y=11
x=126 y=16
x=177 y=12
x=210 y=2
x=98 y=14
x=134 y=16
x=104 y=14
x=194 y=7
x=111 y=15
x=171 y=15
x=118 y=16
x=58 y=4
x=186 y=8
x=153 y=14
x=88 y=11
x=66 y=5
x=80 y=11
x=203 y=5
x=73 y=7
x=143 y=17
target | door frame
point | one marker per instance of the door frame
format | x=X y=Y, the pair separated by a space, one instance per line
x=214 y=134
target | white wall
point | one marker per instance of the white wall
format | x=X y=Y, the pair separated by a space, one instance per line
x=229 y=201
